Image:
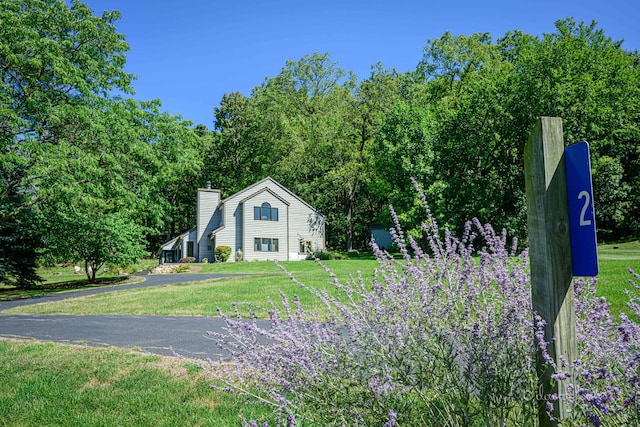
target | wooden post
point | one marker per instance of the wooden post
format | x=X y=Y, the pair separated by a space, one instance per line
x=550 y=256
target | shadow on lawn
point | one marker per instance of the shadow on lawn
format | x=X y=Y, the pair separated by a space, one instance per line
x=12 y=293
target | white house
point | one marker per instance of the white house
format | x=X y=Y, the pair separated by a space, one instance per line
x=265 y=221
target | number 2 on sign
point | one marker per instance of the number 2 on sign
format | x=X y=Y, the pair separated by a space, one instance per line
x=587 y=200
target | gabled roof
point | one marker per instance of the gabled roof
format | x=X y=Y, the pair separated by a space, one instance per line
x=173 y=243
x=268 y=190
x=261 y=182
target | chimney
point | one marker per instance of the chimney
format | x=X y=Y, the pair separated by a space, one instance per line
x=208 y=185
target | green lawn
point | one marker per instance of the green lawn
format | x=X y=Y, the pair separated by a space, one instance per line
x=48 y=384
x=63 y=278
x=266 y=280
x=203 y=298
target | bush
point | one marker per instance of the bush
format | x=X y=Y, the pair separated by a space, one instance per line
x=187 y=260
x=319 y=255
x=442 y=336
x=222 y=253
x=181 y=269
x=432 y=340
x=325 y=255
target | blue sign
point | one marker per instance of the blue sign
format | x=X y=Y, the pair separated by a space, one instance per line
x=582 y=220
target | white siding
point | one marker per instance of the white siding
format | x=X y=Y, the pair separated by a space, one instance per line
x=227 y=235
x=304 y=222
x=265 y=229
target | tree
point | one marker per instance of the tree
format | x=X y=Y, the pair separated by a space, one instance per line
x=315 y=146
x=404 y=150
x=238 y=155
x=480 y=163
x=56 y=61
x=487 y=96
x=96 y=239
x=20 y=241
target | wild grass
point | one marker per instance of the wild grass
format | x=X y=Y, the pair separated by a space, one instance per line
x=44 y=384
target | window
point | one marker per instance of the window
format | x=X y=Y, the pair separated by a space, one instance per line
x=265 y=212
x=189 y=248
x=262 y=244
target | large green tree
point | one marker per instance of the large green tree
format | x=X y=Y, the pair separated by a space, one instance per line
x=79 y=160
x=322 y=141
x=55 y=59
x=487 y=96
x=585 y=77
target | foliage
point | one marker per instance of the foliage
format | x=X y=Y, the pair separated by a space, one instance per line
x=440 y=337
x=222 y=253
x=95 y=239
x=19 y=239
x=187 y=260
x=74 y=153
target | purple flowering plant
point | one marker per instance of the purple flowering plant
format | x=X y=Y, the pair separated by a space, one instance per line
x=604 y=382
x=442 y=336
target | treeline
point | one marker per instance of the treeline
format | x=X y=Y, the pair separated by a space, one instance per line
x=458 y=124
x=86 y=176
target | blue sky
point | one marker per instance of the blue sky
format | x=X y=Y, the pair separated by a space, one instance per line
x=189 y=53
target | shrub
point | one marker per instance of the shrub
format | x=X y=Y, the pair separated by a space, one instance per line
x=442 y=336
x=319 y=255
x=181 y=269
x=205 y=260
x=325 y=255
x=222 y=253
x=187 y=260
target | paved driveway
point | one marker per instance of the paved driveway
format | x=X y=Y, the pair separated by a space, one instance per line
x=186 y=335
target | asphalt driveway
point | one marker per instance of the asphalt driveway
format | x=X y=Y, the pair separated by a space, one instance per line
x=184 y=335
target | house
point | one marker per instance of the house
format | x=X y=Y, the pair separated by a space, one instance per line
x=265 y=221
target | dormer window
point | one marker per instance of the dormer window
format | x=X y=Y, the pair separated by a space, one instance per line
x=265 y=212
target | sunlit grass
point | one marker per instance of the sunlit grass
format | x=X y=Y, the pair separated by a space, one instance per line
x=47 y=384
x=264 y=282
x=61 y=278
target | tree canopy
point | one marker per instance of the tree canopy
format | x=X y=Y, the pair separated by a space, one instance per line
x=80 y=163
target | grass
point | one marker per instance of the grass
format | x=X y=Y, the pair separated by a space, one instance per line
x=203 y=298
x=49 y=384
x=63 y=278
x=266 y=281
x=613 y=279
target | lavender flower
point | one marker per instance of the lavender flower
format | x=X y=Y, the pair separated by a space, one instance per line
x=441 y=336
